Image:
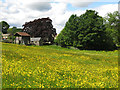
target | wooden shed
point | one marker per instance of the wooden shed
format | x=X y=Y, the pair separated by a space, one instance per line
x=22 y=38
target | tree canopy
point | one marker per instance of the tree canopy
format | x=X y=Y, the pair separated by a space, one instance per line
x=4 y=26
x=112 y=21
x=85 y=32
x=13 y=30
x=41 y=28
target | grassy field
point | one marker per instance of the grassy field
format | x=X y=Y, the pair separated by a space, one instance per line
x=56 y=67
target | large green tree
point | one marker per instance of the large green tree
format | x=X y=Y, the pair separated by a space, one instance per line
x=112 y=21
x=91 y=32
x=67 y=35
x=4 y=27
x=86 y=32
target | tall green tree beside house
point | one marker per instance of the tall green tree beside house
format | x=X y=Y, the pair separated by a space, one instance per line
x=85 y=32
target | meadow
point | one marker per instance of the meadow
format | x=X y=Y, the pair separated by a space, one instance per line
x=57 y=67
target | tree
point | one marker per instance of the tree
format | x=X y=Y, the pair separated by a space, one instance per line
x=85 y=32
x=41 y=28
x=112 y=21
x=66 y=37
x=4 y=27
x=12 y=31
x=91 y=31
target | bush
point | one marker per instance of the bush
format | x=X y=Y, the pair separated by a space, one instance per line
x=7 y=41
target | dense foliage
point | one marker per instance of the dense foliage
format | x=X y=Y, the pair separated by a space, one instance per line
x=4 y=27
x=41 y=28
x=38 y=67
x=112 y=21
x=86 y=32
x=12 y=31
x=38 y=28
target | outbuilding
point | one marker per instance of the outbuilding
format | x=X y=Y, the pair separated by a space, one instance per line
x=22 y=38
x=36 y=40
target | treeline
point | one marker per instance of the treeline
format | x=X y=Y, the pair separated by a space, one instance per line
x=90 y=31
x=6 y=29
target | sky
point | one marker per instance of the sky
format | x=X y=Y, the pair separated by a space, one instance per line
x=17 y=12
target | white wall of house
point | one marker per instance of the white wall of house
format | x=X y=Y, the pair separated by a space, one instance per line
x=35 y=40
x=5 y=36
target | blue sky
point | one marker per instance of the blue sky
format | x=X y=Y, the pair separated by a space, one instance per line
x=3 y=0
x=92 y=5
x=17 y=12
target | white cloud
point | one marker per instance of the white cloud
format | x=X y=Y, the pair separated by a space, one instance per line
x=31 y=4
x=13 y=9
x=83 y=3
x=103 y=10
x=119 y=7
x=57 y=12
x=108 y=0
x=78 y=3
x=17 y=12
x=41 y=6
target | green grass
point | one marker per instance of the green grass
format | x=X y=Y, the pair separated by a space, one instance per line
x=56 y=67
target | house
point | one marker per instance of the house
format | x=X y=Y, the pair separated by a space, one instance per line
x=25 y=38
x=22 y=38
x=37 y=32
x=35 y=40
x=5 y=36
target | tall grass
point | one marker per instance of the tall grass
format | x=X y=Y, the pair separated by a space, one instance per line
x=56 y=67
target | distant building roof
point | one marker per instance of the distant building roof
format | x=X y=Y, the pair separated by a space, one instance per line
x=35 y=39
x=5 y=35
x=21 y=34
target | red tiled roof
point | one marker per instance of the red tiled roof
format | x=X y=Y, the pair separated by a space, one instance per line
x=22 y=34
